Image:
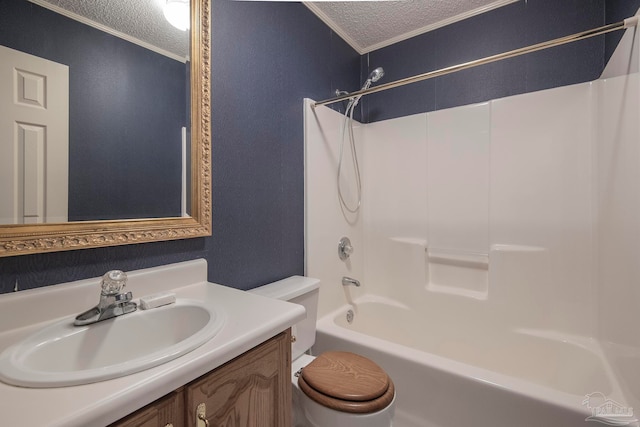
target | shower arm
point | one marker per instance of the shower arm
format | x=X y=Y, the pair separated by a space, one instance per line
x=629 y=22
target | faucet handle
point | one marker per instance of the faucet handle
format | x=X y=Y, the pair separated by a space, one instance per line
x=124 y=297
x=344 y=248
x=113 y=281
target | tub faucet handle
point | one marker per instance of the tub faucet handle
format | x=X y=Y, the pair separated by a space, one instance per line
x=344 y=248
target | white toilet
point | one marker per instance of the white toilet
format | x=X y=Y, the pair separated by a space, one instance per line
x=335 y=389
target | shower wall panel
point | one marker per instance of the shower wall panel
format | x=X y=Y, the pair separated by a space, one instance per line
x=457 y=187
x=541 y=197
x=618 y=209
x=325 y=222
x=395 y=203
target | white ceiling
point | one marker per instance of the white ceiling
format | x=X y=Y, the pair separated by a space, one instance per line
x=365 y=25
x=371 y=25
x=139 y=21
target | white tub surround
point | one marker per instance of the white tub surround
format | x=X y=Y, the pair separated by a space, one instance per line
x=502 y=240
x=250 y=320
x=462 y=201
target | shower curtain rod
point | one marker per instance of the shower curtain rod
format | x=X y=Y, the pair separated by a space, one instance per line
x=629 y=22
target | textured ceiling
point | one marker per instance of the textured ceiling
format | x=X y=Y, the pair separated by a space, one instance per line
x=370 y=25
x=365 y=25
x=140 y=19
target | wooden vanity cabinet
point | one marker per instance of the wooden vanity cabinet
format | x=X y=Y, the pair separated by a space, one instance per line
x=252 y=390
x=166 y=411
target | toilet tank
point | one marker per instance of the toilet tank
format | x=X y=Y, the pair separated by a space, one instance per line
x=298 y=290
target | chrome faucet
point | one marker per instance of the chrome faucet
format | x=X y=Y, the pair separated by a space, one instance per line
x=112 y=303
x=346 y=281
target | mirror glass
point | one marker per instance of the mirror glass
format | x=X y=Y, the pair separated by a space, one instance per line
x=115 y=177
x=94 y=112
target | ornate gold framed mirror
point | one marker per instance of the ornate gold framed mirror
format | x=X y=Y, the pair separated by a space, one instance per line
x=22 y=239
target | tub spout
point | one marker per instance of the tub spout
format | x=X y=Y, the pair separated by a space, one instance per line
x=346 y=281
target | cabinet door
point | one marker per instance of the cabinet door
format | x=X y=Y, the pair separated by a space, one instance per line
x=252 y=390
x=164 y=412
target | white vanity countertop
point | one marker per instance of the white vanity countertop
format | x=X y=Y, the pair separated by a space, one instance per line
x=251 y=320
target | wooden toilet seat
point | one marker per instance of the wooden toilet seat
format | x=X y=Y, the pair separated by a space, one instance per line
x=347 y=382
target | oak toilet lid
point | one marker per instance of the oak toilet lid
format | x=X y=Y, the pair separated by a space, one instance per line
x=347 y=382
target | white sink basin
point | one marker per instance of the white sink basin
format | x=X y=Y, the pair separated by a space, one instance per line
x=66 y=355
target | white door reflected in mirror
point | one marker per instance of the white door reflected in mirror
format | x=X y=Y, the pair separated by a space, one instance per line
x=34 y=139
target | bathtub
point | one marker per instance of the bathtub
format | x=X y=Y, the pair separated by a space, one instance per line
x=452 y=372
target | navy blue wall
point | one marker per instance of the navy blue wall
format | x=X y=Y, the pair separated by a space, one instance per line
x=516 y=25
x=126 y=109
x=266 y=58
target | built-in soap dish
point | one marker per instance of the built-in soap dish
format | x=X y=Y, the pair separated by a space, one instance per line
x=458 y=273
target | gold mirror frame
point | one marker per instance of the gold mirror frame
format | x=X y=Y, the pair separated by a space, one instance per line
x=40 y=238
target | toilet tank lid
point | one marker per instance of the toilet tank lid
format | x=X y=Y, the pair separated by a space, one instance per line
x=287 y=289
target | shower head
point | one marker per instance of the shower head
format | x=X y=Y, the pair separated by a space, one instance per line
x=373 y=77
x=376 y=74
